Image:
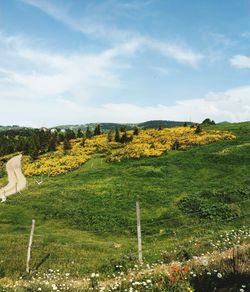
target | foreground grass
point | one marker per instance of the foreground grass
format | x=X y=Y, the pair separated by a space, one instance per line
x=85 y=220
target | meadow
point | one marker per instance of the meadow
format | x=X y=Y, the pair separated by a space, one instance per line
x=86 y=221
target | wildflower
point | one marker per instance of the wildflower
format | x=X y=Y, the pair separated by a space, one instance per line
x=186 y=269
x=219 y=275
x=172 y=279
x=242 y=290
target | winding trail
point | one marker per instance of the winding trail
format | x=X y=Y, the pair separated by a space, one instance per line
x=17 y=180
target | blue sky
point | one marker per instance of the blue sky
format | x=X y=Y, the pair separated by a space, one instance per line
x=70 y=62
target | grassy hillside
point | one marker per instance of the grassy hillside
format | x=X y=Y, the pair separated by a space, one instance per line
x=86 y=219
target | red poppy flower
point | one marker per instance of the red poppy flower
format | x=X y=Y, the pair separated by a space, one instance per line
x=172 y=279
x=186 y=269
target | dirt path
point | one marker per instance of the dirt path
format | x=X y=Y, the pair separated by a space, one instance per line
x=17 y=180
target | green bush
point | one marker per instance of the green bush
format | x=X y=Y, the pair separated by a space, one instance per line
x=208 y=206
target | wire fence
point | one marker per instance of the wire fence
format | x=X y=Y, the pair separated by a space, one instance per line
x=171 y=232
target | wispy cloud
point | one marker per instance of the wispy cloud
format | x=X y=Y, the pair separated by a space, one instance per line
x=129 y=40
x=35 y=73
x=88 y=24
x=240 y=62
x=43 y=74
x=246 y=34
x=221 y=39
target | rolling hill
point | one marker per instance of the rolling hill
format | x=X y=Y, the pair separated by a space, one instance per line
x=86 y=219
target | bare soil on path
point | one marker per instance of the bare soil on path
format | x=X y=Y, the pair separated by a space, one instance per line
x=16 y=178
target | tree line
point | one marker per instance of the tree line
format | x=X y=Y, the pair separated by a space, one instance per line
x=34 y=142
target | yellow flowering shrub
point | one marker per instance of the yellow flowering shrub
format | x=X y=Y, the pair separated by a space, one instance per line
x=148 y=143
x=54 y=164
x=154 y=142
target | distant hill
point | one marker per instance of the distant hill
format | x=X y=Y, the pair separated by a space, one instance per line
x=112 y=126
x=3 y=128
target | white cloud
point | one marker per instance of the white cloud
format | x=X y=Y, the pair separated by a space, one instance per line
x=246 y=34
x=240 y=62
x=34 y=74
x=231 y=105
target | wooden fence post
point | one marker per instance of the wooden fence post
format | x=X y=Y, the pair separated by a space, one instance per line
x=138 y=220
x=30 y=246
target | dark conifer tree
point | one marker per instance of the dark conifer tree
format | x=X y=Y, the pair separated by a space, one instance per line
x=136 y=131
x=117 y=135
x=66 y=145
x=79 y=133
x=110 y=136
x=52 y=143
x=83 y=141
x=97 y=130
x=198 y=129
x=88 y=133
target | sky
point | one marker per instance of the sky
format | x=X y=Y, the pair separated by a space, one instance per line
x=76 y=62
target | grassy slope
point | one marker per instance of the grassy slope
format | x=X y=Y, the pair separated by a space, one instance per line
x=87 y=218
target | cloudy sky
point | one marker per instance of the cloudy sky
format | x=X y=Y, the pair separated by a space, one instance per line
x=70 y=62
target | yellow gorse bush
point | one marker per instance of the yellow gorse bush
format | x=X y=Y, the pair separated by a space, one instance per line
x=154 y=142
x=148 y=143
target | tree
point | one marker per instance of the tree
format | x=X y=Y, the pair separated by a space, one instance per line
x=198 y=129
x=34 y=153
x=52 y=143
x=125 y=138
x=83 y=141
x=88 y=133
x=61 y=137
x=66 y=145
x=70 y=134
x=110 y=136
x=185 y=124
x=97 y=130
x=136 y=131
x=117 y=135
x=208 y=122
x=79 y=133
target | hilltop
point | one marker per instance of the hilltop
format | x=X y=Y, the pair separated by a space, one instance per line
x=129 y=126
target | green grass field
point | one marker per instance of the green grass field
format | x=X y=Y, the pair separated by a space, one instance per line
x=86 y=221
